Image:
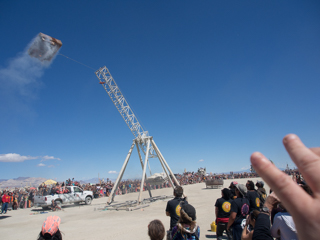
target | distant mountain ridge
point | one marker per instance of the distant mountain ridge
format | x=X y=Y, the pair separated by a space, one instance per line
x=21 y=182
x=20 y=178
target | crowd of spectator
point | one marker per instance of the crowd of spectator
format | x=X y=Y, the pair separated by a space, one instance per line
x=24 y=197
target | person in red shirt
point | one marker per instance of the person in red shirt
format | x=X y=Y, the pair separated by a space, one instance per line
x=5 y=202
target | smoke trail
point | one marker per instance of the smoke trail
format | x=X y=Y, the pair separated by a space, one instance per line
x=20 y=81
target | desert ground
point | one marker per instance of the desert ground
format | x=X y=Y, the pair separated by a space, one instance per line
x=88 y=222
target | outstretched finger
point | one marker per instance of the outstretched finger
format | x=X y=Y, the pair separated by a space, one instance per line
x=307 y=161
x=316 y=150
x=292 y=195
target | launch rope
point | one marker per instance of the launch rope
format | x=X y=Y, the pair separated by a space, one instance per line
x=76 y=61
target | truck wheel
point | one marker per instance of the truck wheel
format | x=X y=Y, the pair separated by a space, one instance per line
x=88 y=200
x=59 y=203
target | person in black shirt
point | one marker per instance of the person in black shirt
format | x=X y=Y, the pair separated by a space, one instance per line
x=222 y=210
x=261 y=227
x=252 y=196
x=173 y=208
x=239 y=211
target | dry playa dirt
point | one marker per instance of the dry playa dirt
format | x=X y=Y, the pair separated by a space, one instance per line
x=87 y=222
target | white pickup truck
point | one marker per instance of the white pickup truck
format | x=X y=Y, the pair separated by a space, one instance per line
x=75 y=195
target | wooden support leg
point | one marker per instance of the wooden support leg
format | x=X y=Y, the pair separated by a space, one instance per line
x=115 y=187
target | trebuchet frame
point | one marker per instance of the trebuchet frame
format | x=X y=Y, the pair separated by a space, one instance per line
x=165 y=167
x=142 y=140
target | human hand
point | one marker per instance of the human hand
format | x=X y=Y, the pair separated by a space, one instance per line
x=305 y=209
x=248 y=220
x=272 y=201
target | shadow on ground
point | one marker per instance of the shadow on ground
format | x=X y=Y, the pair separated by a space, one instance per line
x=40 y=209
x=213 y=235
x=211 y=188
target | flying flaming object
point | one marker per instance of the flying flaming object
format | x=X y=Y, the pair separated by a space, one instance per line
x=44 y=47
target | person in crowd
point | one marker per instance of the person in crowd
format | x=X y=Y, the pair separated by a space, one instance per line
x=252 y=196
x=232 y=188
x=156 y=230
x=261 y=191
x=5 y=202
x=186 y=228
x=305 y=209
x=283 y=226
x=50 y=229
x=54 y=206
x=239 y=211
x=53 y=190
x=1 y=199
x=222 y=210
x=31 y=195
x=65 y=190
x=15 y=203
x=173 y=208
x=260 y=223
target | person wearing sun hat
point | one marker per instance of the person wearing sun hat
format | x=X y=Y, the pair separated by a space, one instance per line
x=239 y=211
x=50 y=229
x=186 y=227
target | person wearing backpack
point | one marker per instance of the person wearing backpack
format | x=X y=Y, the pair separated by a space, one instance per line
x=253 y=197
x=239 y=211
x=261 y=191
x=186 y=228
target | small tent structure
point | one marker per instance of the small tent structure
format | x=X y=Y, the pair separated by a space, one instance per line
x=49 y=182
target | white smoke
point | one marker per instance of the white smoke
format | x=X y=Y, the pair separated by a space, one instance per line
x=22 y=75
x=20 y=81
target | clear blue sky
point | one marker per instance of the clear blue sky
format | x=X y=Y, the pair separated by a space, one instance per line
x=212 y=82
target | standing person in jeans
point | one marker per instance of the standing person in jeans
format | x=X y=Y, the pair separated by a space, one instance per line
x=239 y=211
x=173 y=208
x=5 y=202
x=222 y=210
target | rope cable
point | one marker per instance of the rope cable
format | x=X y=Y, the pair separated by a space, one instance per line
x=76 y=61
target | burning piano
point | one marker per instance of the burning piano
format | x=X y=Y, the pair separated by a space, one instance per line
x=44 y=47
x=157 y=179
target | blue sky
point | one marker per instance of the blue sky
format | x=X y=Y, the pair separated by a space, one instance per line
x=212 y=82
